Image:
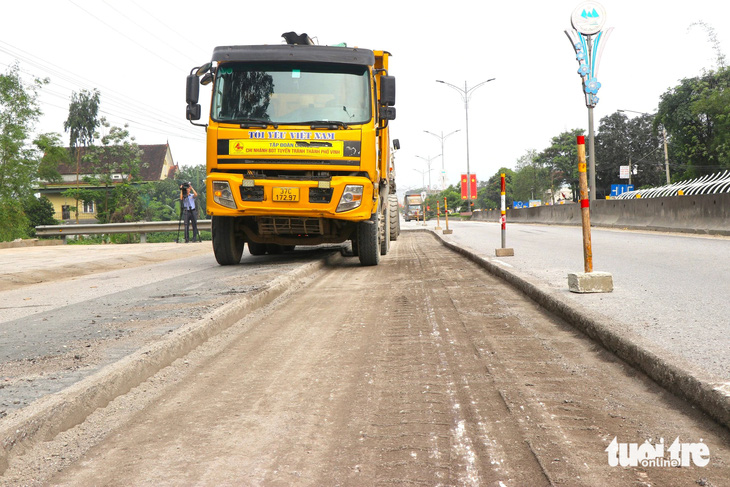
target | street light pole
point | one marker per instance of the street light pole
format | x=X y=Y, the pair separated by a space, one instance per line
x=443 y=168
x=465 y=96
x=428 y=161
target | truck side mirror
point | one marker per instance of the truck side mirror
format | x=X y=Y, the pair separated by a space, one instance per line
x=192 y=112
x=192 y=90
x=192 y=93
x=387 y=90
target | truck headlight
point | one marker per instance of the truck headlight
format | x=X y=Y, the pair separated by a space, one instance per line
x=222 y=194
x=351 y=198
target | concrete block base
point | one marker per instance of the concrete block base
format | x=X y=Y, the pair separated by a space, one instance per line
x=504 y=252
x=448 y=232
x=437 y=228
x=590 y=282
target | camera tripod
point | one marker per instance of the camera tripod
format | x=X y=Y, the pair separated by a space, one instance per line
x=179 y=221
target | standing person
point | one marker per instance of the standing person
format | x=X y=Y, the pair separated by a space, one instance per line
x=187 y=197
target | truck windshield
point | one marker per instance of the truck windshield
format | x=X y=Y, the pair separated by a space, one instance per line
x=280 y=93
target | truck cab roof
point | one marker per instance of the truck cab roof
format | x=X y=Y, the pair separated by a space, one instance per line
x=297 y=53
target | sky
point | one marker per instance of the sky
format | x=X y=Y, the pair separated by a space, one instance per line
x=137 y=53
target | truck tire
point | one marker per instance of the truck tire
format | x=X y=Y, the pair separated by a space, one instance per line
x=227 y=246
x=394 y=217
x=384 y=227
x=255 y=248
x=368 y=244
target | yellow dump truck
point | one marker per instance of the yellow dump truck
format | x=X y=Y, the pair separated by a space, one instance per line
x=298 y=148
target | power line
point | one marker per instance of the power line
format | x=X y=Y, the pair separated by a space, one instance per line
x=148 y=32
x=127 y=107
x=185 y=39
x=165 y=60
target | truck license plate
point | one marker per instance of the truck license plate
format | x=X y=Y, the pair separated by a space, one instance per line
x=286 y=194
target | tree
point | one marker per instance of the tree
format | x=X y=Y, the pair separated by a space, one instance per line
x=81 y=125
x=118 y=154
x=531 y=179
x=53 y=154
x=623 y=142
x=39 y=211
x=561 y=160
x=19 y=111
x=493 y=188
x=696 y=114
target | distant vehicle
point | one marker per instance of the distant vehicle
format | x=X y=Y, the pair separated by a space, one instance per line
x=412 y=206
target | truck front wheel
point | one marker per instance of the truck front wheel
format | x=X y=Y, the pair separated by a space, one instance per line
x=368 y=240
x=227 y=246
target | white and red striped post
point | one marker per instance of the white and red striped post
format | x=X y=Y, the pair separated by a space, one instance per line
x=504 y=252
x=503 y=199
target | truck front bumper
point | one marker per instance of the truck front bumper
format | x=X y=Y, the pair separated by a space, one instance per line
x=341 y=197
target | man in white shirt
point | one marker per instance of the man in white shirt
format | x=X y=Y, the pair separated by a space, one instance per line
x=187 y=198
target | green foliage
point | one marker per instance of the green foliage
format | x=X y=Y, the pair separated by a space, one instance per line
x=14 y=222
x=19 y=111
x=621 y=140
x=696 y=114
x=53 y=154
x=38 y=212
x=561 y=161
x=196 y=176
x=531 y=179
x=493 y=189
x=82 y=118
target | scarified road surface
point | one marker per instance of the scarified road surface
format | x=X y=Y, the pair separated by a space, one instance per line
x=424 y=370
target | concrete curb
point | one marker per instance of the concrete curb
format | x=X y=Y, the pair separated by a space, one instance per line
x=669 y=371
x=33 y=242
x=47 y=417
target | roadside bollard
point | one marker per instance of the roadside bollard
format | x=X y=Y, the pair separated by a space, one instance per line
x=438 y=216
x=446 y=216
x=504 y=252
x=588 y=281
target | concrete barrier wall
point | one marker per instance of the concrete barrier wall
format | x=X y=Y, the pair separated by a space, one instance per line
x=694 y=214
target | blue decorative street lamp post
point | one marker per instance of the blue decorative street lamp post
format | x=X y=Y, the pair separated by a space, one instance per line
x=588 y=20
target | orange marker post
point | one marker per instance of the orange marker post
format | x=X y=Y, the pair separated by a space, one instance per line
x=585 y=206
x=446 y=212
x=588 y=281
x=438 y=216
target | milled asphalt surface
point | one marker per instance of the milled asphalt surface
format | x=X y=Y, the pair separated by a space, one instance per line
x=670 y=289
x=666 y=317
x=668 y=313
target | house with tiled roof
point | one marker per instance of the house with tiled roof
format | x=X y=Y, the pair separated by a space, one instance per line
x=157 y=164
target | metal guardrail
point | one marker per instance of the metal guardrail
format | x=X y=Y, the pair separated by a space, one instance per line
x=141 y=228
x=710 y=184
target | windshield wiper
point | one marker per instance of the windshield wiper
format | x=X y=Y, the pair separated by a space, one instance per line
x=324 y=124
x=247 y=123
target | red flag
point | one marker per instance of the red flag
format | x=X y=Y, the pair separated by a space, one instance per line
x=463 y=186
x=473 y=186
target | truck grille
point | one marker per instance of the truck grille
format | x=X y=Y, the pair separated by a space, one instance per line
x=290 y=226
